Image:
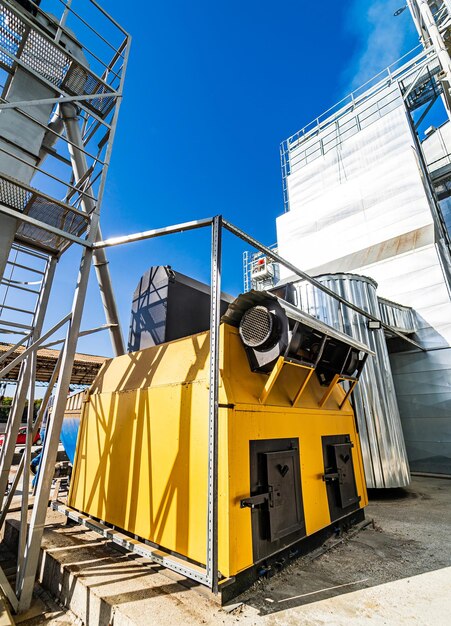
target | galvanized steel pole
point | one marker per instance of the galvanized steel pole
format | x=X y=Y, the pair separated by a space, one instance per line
x=213 y=405
x=80 y=168
x=14 y=419
x=37 y=522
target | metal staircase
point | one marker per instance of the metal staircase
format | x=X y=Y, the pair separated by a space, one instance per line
x=59 y=105
x=20 y=289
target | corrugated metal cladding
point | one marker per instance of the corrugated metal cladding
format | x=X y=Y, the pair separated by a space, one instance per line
x=399 y=317
x=381 y=436
x=423 y=390
x=357 y=203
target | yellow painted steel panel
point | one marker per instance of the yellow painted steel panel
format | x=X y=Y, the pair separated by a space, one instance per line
x=249 y=425
x=142 y=465
x=142 y=451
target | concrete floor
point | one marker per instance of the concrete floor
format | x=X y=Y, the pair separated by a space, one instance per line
x=397 y=571
x=373 y=575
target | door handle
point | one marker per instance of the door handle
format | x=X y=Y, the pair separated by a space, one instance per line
x=254 y=501
x=330 y=476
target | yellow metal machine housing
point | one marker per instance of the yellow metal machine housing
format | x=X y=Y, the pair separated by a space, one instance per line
x=141 y=460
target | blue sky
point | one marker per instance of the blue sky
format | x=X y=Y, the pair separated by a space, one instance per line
x=212 y=89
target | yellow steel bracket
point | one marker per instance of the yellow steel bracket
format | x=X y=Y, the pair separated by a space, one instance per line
x=336 y=379
x=272 y=379
x=302 y=388
x=274 y=375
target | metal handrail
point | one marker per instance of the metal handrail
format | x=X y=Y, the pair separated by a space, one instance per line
x=352 y=98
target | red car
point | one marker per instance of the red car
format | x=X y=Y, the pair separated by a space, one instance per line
x=21 y=437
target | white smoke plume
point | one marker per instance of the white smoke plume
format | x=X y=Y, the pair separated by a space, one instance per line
x=383 y=38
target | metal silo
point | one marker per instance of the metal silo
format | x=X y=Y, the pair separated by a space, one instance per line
x=381 y=435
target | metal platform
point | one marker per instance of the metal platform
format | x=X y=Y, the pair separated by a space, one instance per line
x=85 y=369
x=31 y=45
x=46 y=223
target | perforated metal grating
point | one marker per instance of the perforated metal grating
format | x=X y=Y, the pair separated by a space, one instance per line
x=45 y=58
x=26 y=200
x=11 y=33
x=12 y=195
x=256 y=326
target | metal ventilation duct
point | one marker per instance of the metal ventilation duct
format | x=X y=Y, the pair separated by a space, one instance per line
x=271 y=328
x=381 y=435
x=168 y=305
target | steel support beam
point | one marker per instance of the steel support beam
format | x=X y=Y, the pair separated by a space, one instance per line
x=425 y=112
x=80 y=168
x=26 y=456
x=156 y=232
x=37 y=522
x=169 y=561
x=8 y=228
x=33 y=347
x=83 y=333
x=59 y=100
x=13 y=348
x=430 y=35
x=213 y=405
x=15 y=414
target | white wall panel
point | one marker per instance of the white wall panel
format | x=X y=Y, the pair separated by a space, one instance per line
x=357 y=203
x=368 y=189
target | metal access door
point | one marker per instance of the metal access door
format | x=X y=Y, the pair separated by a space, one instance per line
x=339 y=476
x=285 y=508
x=276 y=495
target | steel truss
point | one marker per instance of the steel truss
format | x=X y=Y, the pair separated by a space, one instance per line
x=84 y=87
